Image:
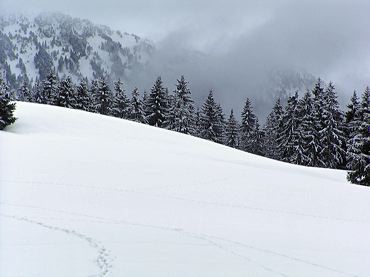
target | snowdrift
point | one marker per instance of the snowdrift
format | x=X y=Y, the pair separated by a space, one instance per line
x=87 y=195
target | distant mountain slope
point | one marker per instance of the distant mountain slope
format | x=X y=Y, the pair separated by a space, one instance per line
x=83 y=194
x=29 y=47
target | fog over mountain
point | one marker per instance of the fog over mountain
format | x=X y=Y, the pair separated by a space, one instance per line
x=236 y=47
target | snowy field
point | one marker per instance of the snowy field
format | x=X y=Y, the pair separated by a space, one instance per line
x=87 y=195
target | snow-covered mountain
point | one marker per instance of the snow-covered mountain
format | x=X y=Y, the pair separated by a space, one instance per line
x=83 y=194
x=32 y=46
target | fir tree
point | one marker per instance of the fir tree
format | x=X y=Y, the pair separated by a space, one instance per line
x=197 y=125
x=6 y=107
x=288 y=135
x=157 y=104
x=248 y=126
x=232 y=131
x=309 y=136
x=331 y=134
x=83 y=99
x=358 y=151
x=49 y=90
x=211 y=127
x=169 y=99
x=137 y=108
x=121 y=104
x=65 y=96
x=317 y=121
x=258 y=140
x=146 y=106
x=351 y=116
x=102 y=97
x=353 y=108
x=271 y=131
x=180 y=117
x=222 y=122
x=94 y=94
x=37 y=92
x=25 y=92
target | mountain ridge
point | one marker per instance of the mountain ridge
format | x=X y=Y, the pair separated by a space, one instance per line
x=31 y=46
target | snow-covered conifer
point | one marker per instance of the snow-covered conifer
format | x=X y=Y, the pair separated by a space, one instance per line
x=247 y=128
x=180 y=117
x=83 y=99
x=49 y=90
x=331 y=134
x=271 y=131
x=121 y=104
x=65 y=95
x=137 y=108
x=308 y=133
x=102 y=97
x=288 y=134
x=157 y=104
x=37 y=92
x=353 y=108
x=358 y=150
x=232 y=131
x=258 y=139
x=211 y=126
x=24 y=93
x=6 y=106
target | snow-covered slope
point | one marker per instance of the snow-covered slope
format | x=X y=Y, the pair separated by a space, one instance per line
x=88 y=195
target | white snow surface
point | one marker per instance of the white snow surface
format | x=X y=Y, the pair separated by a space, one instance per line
x=88 y=195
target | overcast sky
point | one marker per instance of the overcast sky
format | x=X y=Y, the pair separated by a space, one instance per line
x=328 y=38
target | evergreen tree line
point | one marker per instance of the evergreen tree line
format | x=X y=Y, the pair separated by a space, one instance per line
x=309 y=131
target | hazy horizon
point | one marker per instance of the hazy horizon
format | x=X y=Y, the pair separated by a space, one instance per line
x=228 y=45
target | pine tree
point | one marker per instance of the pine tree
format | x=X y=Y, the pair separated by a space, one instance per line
x=83 y=99
x=94 y=95
x=248 y=126
x=169 y=99
x=211 y=126
x=157 y=104
x=197 y=126
x=102 y=96
x=25 y=93
x=351 y=116
x=271 y=131
x=37 y=92
x=137 y=112
x=121 y=104
x=146 y=106
x=358 y=152
x=351 y=123
x=309 y=135
x=258 y=140
x=222 y=122
x=288 y=135
x=317 y=124
x=171 y=118
x=6 y=107
x=180 y=117
x=331 y=134
x=232 y=131
x=65 y=96
x=353 y=108
x=49 y=90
